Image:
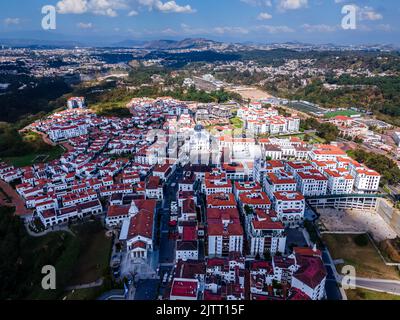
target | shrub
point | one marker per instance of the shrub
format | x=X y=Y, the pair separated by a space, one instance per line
x=361 y=240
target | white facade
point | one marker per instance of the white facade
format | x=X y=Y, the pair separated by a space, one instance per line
x=290 y=207
x=216 y=244
x=312 y=184
x=186 y=254
x=366 y=181
x=317 y=293
x=58 y=133
x=340 y=184
x=276 y=243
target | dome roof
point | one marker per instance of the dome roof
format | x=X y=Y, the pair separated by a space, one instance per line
x=198 y=128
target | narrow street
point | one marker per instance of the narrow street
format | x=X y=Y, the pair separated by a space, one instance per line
x=167 y=245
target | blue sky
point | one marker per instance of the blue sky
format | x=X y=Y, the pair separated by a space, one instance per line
x=314 y=21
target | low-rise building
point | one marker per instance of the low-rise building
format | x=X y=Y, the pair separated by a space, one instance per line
x=137 y=230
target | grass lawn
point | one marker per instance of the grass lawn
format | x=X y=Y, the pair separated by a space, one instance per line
x=347 y=113
x=94 y=257
x=365 y=259
x=236 y=122
x=59 y=249
x=112 y=109
x=363 y=294
x=28 y=159
x=313 y=138
x=316 y=139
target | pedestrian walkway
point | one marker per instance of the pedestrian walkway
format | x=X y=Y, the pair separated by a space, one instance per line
x=43 y=233
x=113 y=295
x=97 y=283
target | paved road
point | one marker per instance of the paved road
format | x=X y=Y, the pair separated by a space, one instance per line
x=389 y=286
x=112 y=295
x=333 y=292
x=147 y=290
x=167 y=246
x=45 y=137
x=94 y=284
x=17 y=201
x=331 y=287
x=58 y=228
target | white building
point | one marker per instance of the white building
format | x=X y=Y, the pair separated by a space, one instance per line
x=224 y=231
x=290 y=207
x=76 y=102
x=312 y=183
x=64 y=132
x=187 y=250
x=310 y=278
x=279 y=181
x=339 y=183
x=137 y=230
x=366 y=180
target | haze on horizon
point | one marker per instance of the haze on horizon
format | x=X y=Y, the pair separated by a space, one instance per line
x=258 y=21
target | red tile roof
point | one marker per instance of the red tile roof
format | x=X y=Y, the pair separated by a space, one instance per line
x=189 y=233
x=289 y=196
x=153 y=183
x=311 y=272
x=254 y=198
x=184 y=288
x=116 y=211
x=221 y=199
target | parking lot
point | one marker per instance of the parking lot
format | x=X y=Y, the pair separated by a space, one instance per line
x=295 y=238
x=356 y=221
x=147 y=289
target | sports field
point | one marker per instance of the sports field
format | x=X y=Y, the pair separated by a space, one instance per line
x=347 y=113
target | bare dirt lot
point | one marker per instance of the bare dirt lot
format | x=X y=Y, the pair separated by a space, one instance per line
x=357 y=221
x=251 y=93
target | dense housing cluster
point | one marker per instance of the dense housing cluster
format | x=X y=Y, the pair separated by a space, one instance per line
x=228 y=201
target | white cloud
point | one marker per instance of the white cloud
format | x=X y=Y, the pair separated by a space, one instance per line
x=368 y=13
x=385 y=27
x=133 y=13
x=98 y=7
x=221 y=30
x=274 y=29
x=284 y=5
x=166 y=7
x=83 y=25
x=72 y=6
x=186 y=29
x=169 y=32
x=365 y=13
x=264 y=16
x=231 y=30
x=258 y=3
x=320 y=28
x=12 y=21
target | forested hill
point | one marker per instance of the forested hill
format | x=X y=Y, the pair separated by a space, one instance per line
x=29 y=96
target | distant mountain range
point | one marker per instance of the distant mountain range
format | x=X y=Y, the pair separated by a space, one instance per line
x=61 y=41
x=34 y=43
x=36 y=39
x=197 y=43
